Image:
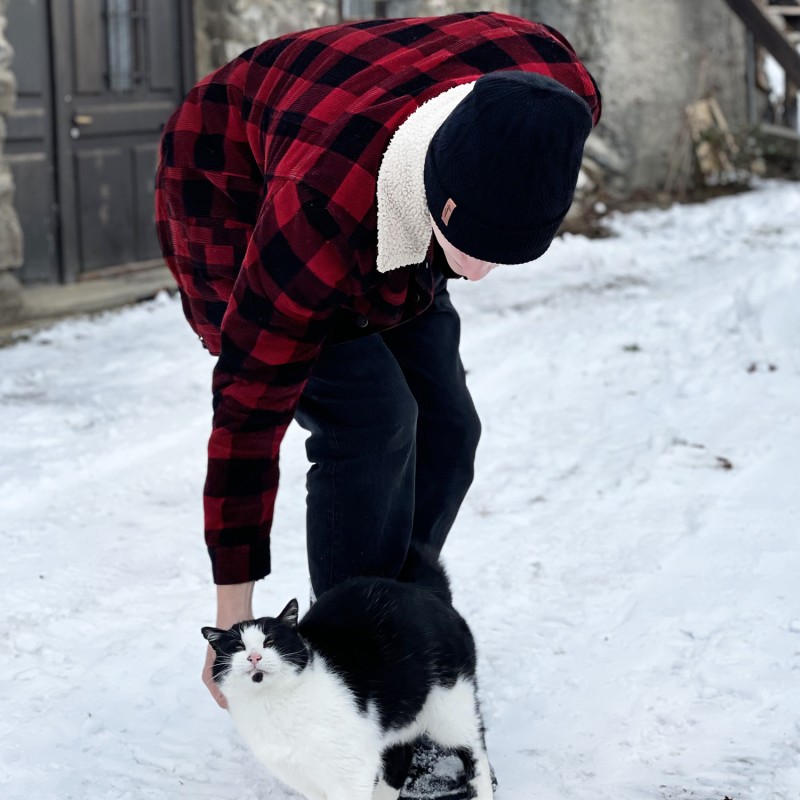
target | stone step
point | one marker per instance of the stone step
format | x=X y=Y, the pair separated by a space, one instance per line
x=44 y=305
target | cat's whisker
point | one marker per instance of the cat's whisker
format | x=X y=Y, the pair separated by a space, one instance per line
x=294 y=653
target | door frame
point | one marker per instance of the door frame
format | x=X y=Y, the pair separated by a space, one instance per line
x=62 y=66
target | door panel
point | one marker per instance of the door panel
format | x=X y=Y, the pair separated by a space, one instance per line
x=164 y=55
x=103 y=181
x=34 y=204
x=145 y=160
x=88 y=45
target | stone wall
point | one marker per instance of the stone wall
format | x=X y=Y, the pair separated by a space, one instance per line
x=10 y=232
x=425 y=8
x=224 y=28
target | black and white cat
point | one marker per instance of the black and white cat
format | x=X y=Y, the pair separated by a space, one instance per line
x=332 y=705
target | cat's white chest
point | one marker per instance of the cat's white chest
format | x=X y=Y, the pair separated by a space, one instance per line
x=312 y=731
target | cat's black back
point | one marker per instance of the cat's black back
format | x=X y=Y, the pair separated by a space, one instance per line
x=391 y=643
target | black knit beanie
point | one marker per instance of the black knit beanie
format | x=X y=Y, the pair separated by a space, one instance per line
x=500 y=171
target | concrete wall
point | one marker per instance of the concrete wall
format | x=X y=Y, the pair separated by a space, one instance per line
x=10 y=233
x=651 y=60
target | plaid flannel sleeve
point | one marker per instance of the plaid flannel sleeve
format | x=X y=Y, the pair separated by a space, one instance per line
x=292 y=280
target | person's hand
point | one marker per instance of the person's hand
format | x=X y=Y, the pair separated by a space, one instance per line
x=234 y=604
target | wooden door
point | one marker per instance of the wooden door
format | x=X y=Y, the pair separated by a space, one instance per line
x=98 y=80
x=120 y=70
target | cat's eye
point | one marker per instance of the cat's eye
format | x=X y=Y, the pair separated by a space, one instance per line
x=238 y=647
x=268 y=641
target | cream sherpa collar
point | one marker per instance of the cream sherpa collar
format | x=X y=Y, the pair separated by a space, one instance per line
x=404 y=223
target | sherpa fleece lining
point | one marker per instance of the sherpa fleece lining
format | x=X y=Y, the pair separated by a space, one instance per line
x=404 y=222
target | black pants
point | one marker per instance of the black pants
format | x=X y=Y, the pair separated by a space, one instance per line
x=392 y=446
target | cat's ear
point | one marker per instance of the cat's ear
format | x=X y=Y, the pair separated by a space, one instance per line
x=212 y=635
x=290 y=613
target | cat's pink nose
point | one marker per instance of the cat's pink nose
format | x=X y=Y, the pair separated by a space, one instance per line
x=254 y=658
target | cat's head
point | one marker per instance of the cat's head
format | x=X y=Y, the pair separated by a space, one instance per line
x=258 y=653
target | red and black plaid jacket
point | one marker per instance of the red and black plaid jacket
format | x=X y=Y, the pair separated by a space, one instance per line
x=267 y=216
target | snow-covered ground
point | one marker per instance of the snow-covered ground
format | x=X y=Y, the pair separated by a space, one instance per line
x=628 y=556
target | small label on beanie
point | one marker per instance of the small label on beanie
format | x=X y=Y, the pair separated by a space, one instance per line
x=449 y=207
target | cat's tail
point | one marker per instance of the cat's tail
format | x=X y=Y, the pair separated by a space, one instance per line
x=423 y=568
